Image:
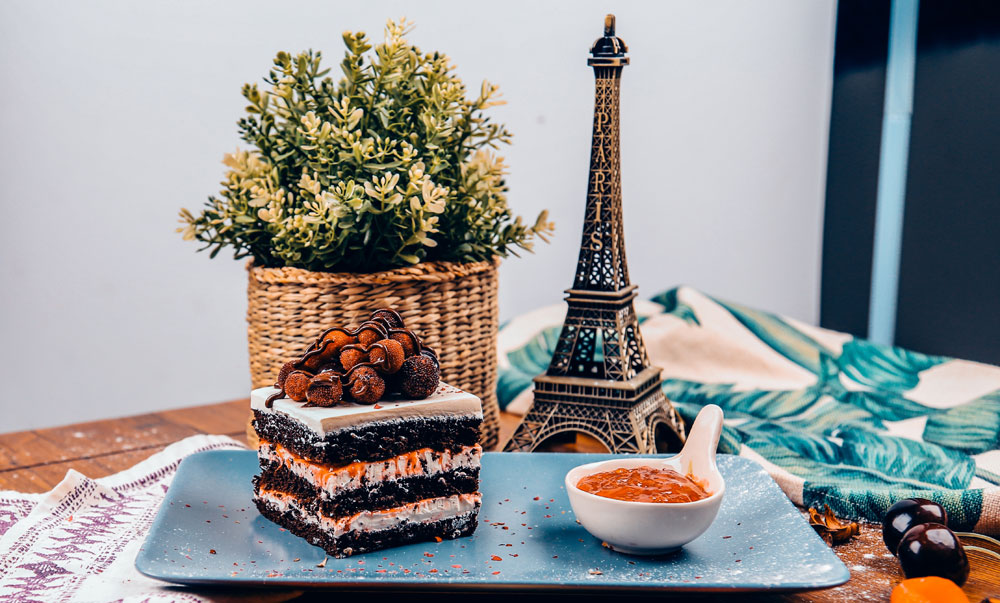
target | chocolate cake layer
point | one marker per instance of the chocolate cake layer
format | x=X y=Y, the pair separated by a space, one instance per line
x=364 y=541
x=370 y=442
x=381 y=495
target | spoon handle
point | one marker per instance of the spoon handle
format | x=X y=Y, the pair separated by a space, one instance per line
x=698 y=453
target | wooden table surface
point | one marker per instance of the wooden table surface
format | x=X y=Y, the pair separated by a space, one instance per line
x=36 y=460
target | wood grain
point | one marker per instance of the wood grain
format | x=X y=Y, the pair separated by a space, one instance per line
x=35 y=461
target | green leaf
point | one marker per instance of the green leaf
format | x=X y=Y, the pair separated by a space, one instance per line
x=884 y=367
x=783 y=338
x=673 y=305
x=295 y=174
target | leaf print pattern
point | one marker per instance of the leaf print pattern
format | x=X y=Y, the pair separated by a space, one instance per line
x=973 y=427
x=782 y=337
x=884 y=406
x=964 y=506
x=895 y=456
x=526 y=362
x=841 y=433
x=884 y=368
x=673 y=305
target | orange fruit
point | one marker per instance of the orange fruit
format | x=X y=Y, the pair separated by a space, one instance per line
x=929 y=589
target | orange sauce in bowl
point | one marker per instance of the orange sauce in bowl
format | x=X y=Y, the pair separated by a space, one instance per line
x=645 y=484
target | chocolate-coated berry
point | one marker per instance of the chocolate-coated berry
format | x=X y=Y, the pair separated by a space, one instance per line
x=296 y=385
x=907 y=513
x=286 y=370
x=931 y=549
x=324 y=390
x=366 y=386
x=420 y=377
x=390 y=317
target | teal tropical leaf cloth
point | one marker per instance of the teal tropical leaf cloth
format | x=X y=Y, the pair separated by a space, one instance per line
x=835 y=420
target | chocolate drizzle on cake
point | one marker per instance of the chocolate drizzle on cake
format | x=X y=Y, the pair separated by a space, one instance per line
x=381 y=348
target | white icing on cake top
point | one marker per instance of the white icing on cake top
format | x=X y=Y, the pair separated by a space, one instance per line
x=447 y=401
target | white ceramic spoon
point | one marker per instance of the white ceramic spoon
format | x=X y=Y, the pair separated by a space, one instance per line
x=644 y=528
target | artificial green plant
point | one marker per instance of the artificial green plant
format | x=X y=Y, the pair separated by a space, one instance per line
x=389 y=166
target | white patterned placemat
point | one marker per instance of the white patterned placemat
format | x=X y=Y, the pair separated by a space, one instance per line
x=78 y=542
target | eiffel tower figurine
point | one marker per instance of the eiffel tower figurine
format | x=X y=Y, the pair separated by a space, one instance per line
x=599 y=381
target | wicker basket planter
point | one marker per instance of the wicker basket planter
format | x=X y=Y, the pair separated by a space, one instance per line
x=453 y=306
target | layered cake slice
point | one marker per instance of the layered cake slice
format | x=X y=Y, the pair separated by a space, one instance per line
x=355 y=478
x=361 y=447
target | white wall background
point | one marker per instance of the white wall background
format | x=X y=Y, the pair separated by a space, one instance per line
x=113 y=114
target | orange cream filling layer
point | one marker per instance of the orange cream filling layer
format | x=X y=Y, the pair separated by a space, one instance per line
x=423 y=511
x=424 y=461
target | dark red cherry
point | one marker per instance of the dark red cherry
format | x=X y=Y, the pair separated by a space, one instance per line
x=907 y=513
x=931 y=549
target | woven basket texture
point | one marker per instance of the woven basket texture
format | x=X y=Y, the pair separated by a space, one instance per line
x=452 y=306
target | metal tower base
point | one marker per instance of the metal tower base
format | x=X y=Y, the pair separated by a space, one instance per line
x=626 y=417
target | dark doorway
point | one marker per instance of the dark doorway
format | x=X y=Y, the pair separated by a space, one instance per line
x=571 y=441
x=665 y=438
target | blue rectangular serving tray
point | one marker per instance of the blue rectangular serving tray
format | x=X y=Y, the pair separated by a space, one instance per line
x=208 y=531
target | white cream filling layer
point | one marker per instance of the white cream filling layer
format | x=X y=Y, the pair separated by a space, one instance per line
x=428 y=510
x=362 y=475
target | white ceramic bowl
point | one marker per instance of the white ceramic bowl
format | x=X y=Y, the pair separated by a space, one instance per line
x=643 y=528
